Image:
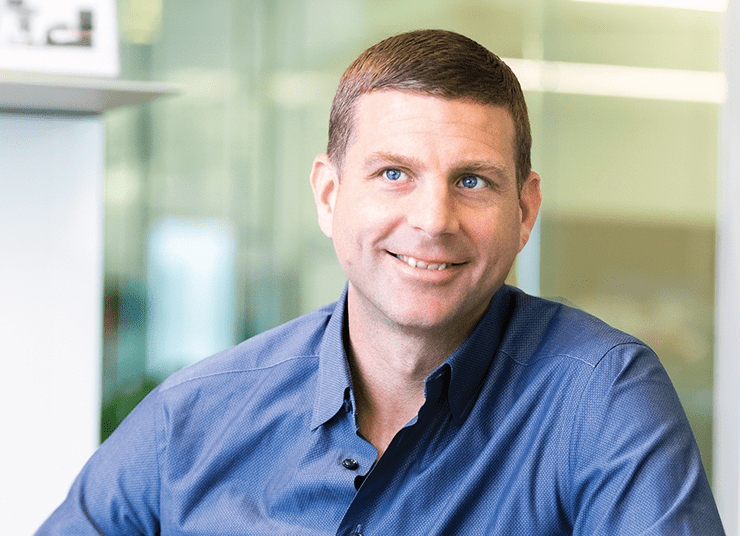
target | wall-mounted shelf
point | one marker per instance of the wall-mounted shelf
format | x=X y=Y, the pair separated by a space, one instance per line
x=34 y=92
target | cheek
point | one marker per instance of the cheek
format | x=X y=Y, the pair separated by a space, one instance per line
x=359 y=221
x=499 y=237
x=341 y=238
x=348 y=231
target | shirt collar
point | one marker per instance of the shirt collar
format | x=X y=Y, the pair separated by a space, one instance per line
x=468 y=364
x=334 y=373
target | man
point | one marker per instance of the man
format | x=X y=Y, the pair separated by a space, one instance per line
x=431 y=398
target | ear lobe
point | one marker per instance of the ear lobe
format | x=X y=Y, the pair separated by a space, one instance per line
x=324 y=183
x=529 y=206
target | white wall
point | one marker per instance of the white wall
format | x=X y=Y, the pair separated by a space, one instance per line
x=51 y=171
x=727 y=340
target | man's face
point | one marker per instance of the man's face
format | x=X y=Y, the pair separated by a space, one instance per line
x=426 y=218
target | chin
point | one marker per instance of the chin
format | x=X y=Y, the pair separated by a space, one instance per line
x=422 y=317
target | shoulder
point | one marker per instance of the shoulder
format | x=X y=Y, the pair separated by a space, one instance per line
x=295 y=342
x=242 y=383
x=540 y=328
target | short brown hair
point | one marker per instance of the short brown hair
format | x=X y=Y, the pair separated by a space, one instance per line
x=430 y=62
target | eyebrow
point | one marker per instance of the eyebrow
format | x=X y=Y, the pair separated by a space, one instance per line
x=465 y=166
x=384 y=158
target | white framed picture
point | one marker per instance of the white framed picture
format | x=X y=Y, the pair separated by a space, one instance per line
x=74 y=37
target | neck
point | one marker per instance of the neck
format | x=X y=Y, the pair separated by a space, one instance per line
x=389 y=367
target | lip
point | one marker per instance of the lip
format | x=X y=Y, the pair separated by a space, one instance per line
x=424 y=264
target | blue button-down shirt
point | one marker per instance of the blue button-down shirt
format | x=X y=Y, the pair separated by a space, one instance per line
x=545 y=421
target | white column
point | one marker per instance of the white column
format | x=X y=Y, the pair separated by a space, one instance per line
x=727 y=324
x=51 y=171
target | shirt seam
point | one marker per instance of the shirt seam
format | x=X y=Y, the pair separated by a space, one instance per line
x=237 y=371
x=569 y=452
x=576 y=358
x=542 y=358
x=160 y=424
x=576 y=413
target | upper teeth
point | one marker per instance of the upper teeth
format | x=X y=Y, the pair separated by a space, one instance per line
x=421 y=264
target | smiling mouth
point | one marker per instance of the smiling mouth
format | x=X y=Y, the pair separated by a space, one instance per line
x=421 y=264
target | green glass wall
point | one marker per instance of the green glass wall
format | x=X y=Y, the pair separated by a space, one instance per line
x=627 y=223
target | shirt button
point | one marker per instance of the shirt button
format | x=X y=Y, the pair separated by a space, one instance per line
x=350 y=464
x=356 y=534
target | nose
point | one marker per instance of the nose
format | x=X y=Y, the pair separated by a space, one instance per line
x=432 y=209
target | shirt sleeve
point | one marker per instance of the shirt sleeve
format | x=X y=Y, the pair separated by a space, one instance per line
x=634 y=464
x=117 y=492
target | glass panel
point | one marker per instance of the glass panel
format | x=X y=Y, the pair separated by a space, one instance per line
x=627 y=225
x=628 y=220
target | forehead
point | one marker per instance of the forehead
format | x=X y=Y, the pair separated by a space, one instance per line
x=391 y=120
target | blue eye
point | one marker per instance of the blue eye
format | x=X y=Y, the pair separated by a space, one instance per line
x=472 y=182
x=393 y=174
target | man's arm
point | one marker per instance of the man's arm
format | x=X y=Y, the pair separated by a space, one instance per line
x=117 y=491
x=634 y=464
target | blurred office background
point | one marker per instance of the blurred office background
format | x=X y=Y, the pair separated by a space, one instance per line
x=210 y=231
x=210 y=228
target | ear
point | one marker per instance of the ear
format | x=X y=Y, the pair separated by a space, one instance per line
x=529 y=206
x=324 y=183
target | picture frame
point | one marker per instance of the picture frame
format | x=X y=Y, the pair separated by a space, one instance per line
x=68 y=37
